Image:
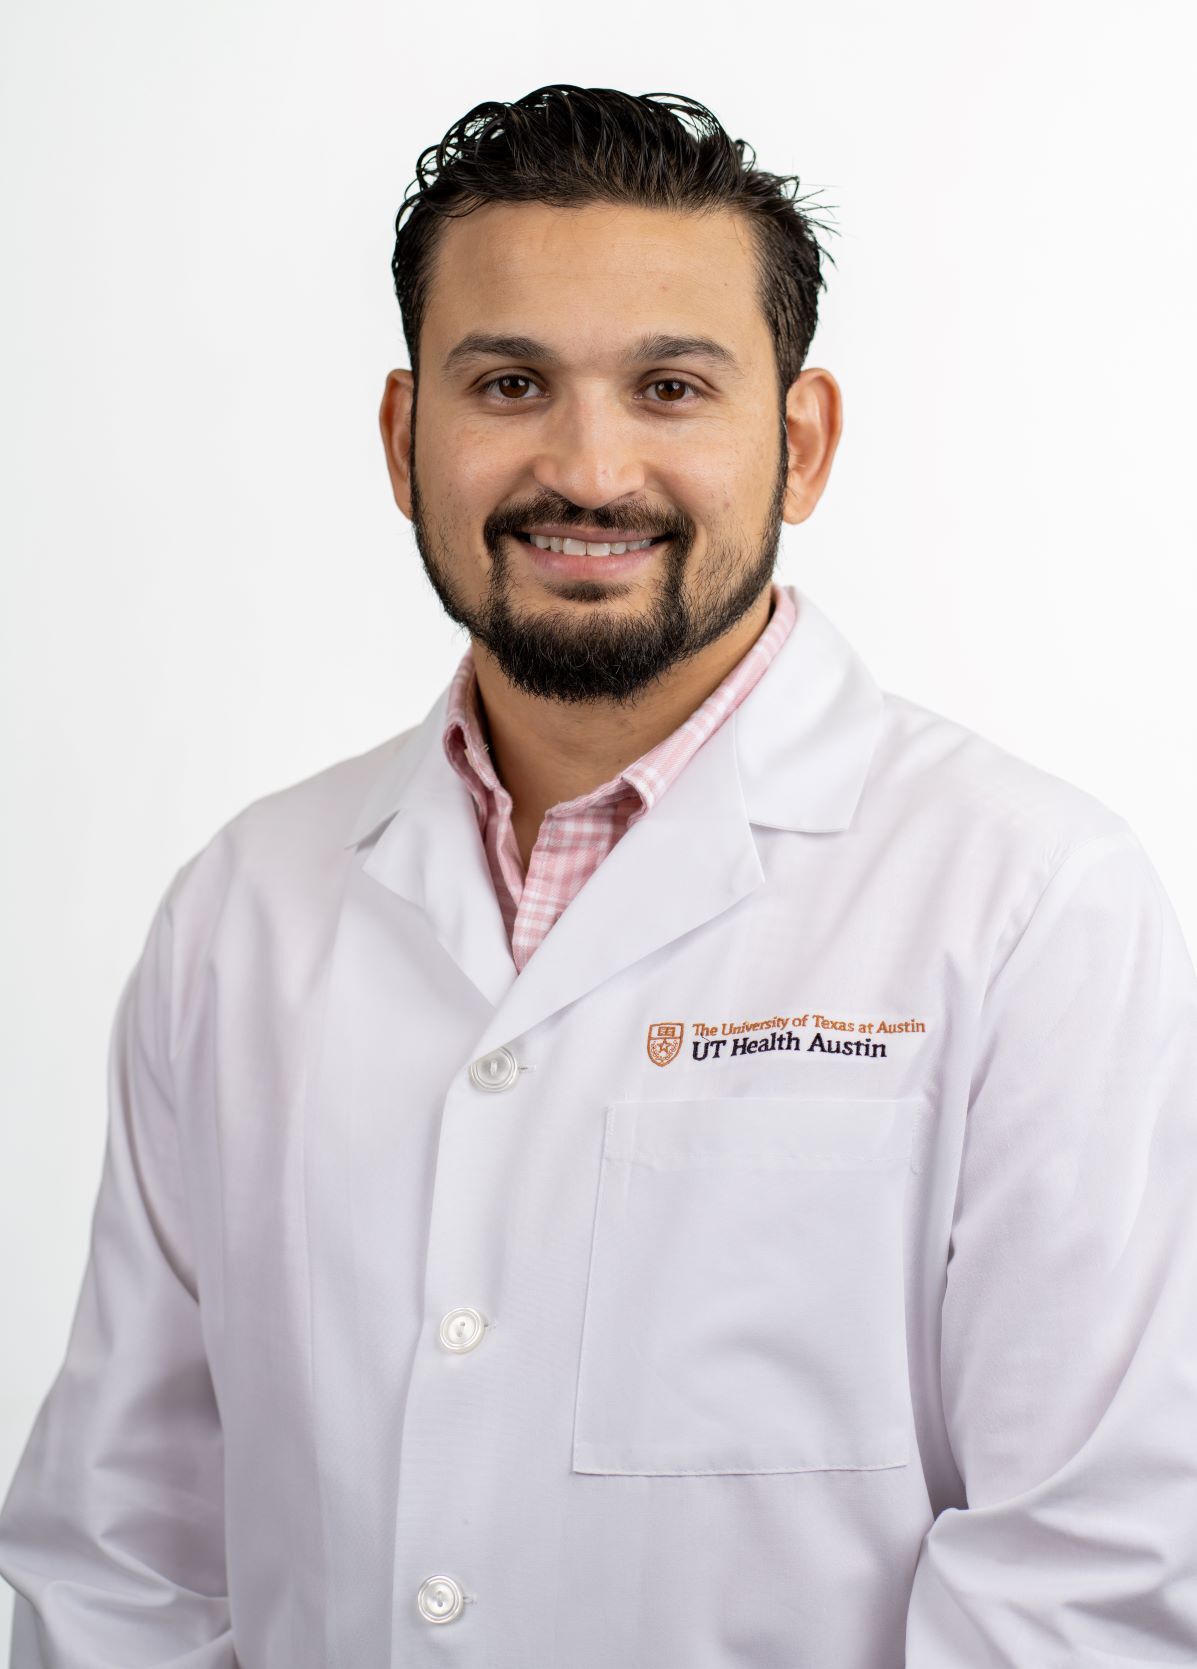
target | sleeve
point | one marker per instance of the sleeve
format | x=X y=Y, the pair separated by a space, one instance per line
x=112 y=1531
x=1068 y=1352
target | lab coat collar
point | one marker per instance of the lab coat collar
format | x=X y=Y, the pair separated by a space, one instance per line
x=794 y=755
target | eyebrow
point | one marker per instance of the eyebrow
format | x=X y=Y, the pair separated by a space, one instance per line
x=480 y=345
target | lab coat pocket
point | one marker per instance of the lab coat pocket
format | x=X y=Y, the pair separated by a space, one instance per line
x=745 y=1301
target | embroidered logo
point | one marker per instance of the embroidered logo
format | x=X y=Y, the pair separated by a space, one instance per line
x=665 y=1041
x=863 y=1035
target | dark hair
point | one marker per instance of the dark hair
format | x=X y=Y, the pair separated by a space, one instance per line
x=568 y=146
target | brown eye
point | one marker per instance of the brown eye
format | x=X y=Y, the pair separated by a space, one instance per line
x=511 y=378
x=671 y=382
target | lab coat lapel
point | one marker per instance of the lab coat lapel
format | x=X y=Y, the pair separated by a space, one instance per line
x=430 y=852
x=794 y=755
x=689 y=859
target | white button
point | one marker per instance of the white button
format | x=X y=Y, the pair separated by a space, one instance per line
x=462 y=1329
x=498 y=1070
x=440 y=1599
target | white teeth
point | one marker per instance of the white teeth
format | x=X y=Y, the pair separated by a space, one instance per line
x=583 y=547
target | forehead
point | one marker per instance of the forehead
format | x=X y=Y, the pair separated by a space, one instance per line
x=586 y=279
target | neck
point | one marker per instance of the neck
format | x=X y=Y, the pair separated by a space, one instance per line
x=548 y=751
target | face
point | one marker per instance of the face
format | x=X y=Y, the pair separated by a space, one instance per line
x=589 y=378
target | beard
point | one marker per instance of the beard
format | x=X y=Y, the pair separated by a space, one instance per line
x=601 y=657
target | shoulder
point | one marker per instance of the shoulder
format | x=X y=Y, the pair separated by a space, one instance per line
x=292 y=842
x=1000 y=841
x=938 y=772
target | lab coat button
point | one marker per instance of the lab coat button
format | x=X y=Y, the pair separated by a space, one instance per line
x=440 y=1599
x=498 y=1070
x=462 y=1329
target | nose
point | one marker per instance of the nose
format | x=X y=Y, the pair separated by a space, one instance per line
x=590 y=453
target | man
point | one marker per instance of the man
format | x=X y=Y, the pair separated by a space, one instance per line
x=683 y=1157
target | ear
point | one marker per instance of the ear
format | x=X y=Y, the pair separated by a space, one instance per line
x=814 y=419
x=395 y=421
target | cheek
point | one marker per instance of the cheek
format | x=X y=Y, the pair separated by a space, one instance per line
x=461 y=478
x=476 y=467
x=720 y=485
x=754 y=474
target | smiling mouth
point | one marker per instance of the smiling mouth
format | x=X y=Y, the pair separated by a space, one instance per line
x=588 y=547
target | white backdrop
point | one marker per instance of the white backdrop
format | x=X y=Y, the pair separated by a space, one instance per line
x=208 y=592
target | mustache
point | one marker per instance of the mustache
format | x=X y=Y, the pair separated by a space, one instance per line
x=648 y=523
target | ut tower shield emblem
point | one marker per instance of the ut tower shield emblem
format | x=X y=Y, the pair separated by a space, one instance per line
x=665 y=1040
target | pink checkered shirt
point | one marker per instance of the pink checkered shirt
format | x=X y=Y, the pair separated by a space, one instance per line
x=576 y=835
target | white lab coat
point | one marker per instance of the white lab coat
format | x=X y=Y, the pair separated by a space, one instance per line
x=855 y=1349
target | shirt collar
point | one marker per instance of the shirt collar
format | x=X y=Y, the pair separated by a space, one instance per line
x=466 y=748
x=464 y=737
x=652 y=773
